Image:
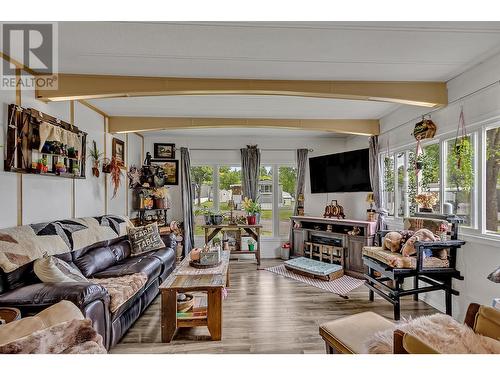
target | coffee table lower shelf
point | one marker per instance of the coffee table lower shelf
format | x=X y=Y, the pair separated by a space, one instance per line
x=170 y=321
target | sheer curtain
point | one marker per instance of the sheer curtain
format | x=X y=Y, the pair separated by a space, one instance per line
x=300 y=182
x=250 y=166
x=187 y=200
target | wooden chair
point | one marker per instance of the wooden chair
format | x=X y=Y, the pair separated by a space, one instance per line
x=387 y=281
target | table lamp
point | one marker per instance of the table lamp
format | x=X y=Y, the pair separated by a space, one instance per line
x=371 y=213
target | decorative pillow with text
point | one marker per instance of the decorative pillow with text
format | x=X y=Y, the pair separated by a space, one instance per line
x=143 y=239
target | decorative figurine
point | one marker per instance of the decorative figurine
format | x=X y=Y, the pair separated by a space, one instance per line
x=147 y=161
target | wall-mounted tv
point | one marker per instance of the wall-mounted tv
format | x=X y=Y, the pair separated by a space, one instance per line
x=344 y=172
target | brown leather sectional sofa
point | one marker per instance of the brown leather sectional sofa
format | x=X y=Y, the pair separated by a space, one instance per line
x=22 y=289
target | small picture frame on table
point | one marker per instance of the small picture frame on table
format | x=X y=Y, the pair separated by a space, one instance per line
x=164 y=150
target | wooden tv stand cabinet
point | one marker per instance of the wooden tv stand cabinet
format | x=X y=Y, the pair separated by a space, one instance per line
x=310 y=226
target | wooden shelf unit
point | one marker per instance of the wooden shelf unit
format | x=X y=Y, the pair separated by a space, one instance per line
x=352 y=245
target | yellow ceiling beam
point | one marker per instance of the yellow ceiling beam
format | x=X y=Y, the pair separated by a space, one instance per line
x=126 y=124
x=79 y=86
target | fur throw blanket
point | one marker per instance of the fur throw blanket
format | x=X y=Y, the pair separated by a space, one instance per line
x=73 y=337
x=122 y=288
x=24 y=244
x=441 y=332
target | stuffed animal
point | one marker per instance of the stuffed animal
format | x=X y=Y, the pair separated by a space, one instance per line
x=392 y=241
x=420 y=235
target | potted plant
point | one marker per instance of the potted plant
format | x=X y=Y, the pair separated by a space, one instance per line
x=252 y=209
x=251 y=244
x=426 y=200
x=159 y=195
x=216 y=218
x=207 y=216
x=95 y=155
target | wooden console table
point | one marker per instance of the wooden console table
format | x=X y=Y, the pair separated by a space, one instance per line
x=253 y=230
x=310 y=227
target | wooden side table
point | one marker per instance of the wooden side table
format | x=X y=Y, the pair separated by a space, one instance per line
x=9 y=314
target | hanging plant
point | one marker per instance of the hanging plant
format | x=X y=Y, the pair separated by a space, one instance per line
x=95 y=155
x=461 y=139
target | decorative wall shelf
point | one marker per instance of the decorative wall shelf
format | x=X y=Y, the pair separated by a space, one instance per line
x=27 y=153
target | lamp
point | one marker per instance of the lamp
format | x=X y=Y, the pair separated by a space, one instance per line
x=495 y=276
x=371 y=213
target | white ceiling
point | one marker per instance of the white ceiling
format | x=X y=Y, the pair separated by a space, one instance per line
x=243 y=106
x=401 y=51
x=287 y=50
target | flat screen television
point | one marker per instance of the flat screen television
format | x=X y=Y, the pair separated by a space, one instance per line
x=344 y=172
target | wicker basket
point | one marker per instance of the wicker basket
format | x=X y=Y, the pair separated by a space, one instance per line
x=187 y=304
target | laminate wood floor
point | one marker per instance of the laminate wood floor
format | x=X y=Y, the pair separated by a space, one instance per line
x=264 y=313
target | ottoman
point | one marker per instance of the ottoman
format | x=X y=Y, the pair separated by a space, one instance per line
x=314 y=268
x=347 y=335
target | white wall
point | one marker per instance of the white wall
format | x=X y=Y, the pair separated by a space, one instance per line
x=47 y=198
x=479 y=256
x=314 y=203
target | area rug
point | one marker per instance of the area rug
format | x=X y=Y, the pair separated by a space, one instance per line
x=341 y=286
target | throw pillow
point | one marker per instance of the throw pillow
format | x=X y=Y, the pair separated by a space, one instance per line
x=143 y=239
x=50 y=269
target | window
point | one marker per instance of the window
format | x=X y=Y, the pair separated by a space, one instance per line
x=460 y=178
x=203 y=194
x=287 y=188
x=266 y=200
x=402 y=183
x=493 y=180
x=388 y=188
x=430 y=172
x=230 y=190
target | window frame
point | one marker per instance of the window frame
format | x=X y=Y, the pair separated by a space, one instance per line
x=478 y=133
x=275 y=198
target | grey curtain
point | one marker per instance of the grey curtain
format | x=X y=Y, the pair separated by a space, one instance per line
x=187 y=201
x=300 y=182
x=250 y=166
x=375 y=182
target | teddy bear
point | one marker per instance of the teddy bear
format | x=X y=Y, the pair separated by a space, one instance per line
x=392 y=242
x=423 y=235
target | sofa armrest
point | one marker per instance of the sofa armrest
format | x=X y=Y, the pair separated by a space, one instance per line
x=37 y=296
x=169 y=240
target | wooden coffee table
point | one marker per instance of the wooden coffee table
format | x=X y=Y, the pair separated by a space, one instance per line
x=188 y=279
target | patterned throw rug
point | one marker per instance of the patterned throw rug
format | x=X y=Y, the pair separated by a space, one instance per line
x=340 y=286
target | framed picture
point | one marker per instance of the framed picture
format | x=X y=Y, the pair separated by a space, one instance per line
x=170 y=170
x=118 y=150
x=164 y=150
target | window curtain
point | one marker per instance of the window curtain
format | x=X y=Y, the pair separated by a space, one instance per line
x=300 y=182
x=375 y=183
x=187 y=200
x=250 y=166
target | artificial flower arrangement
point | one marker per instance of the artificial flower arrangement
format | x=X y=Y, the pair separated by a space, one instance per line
x=427 y=199
x=159 y=195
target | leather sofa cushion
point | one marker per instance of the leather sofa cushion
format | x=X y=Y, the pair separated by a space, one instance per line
x=95 y=260
x=147 y=264
x=348 y=334
x=165 y=255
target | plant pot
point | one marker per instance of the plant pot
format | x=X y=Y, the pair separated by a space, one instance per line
x=159 y=203
x=251 y=247
x=216 y=219
x=208 y=219
x=95 y=171
x=251 y=220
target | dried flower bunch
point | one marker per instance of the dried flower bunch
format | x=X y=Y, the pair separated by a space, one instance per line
x=426 y=199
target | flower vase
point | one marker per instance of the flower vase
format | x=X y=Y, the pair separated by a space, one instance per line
x=251 y=220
